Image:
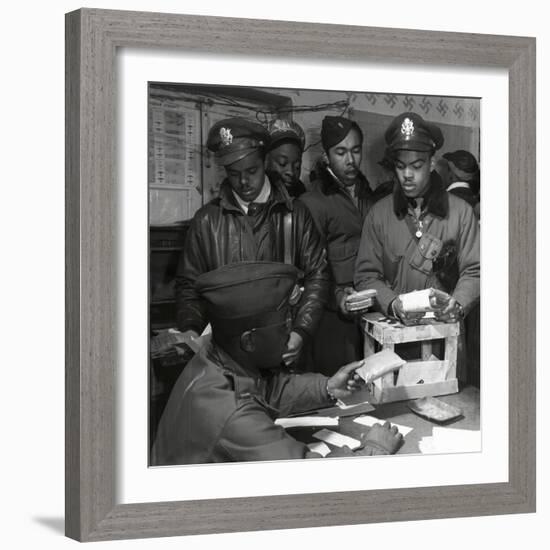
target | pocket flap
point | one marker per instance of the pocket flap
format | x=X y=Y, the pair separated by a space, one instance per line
x=427 y=249
x=429 y=246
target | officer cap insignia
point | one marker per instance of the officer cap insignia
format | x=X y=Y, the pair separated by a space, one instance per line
x=407 y=128
x=226 y=136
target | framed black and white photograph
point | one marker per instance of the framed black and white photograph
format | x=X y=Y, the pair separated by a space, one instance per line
x=334 y=152
x=279 y=263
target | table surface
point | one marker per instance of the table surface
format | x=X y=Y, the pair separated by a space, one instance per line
x=466 y=399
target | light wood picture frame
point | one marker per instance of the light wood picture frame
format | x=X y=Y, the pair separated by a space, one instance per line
x=92 y=39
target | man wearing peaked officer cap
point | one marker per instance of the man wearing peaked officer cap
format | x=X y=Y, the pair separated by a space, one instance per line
x=284 y=158
x=421 y=236
x=410 y=132
x=226 y=400
x=338 y=202
x=252 y=219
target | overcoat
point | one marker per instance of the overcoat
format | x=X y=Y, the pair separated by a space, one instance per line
x=339 y=217
x=220 y=411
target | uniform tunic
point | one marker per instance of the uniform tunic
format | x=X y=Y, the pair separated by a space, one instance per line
x=338 y=214
x=392 y=261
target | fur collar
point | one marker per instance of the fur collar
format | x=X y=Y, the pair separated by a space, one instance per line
x=436 y=200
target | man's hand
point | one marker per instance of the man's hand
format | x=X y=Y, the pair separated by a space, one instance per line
x=451 y=313
x=293 y=348
x=381 y=440
x=345 y=381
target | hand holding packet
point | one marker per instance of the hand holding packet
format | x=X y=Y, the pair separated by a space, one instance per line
x=378 y=364
x=422 y=301
x=358 y=301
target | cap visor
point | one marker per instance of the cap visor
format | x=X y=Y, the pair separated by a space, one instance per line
x=279 y=137
x=411 y=145
x=231 y=157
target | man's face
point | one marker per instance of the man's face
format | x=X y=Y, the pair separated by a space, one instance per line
x=345 y=158
x=413 y=170
x=246 y=176
x=286 y=160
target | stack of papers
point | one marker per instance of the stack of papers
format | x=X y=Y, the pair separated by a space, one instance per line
x=305 y=421
x=371 y=421
x=320 y=448
x=450 y=440
x=360 y=300
x=336 y=439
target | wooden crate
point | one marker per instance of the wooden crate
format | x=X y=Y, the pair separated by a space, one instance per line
x=424 y=377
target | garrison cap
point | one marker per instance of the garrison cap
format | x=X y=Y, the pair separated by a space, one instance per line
x=283 y=130
x=463 y=164
x=232 y=139
x=409 y=131
x=335 y=128
x=246 y=295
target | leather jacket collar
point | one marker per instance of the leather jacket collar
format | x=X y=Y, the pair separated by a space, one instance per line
x=278 y=195
x=329 y=186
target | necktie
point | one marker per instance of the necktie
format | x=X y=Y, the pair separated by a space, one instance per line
x=253 y=208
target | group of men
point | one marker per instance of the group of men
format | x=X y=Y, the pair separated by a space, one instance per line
x=270 y=265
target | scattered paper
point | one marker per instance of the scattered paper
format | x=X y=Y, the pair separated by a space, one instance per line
x=336 y=439
x=320 y=448
x=426 y=445
x=470 y=438
x=371 y=421
x=378 y=364
x=451 y=440
x=304 y=421
x=351 y=410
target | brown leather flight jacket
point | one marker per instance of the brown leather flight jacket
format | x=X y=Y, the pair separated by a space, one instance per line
x=221 y=234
